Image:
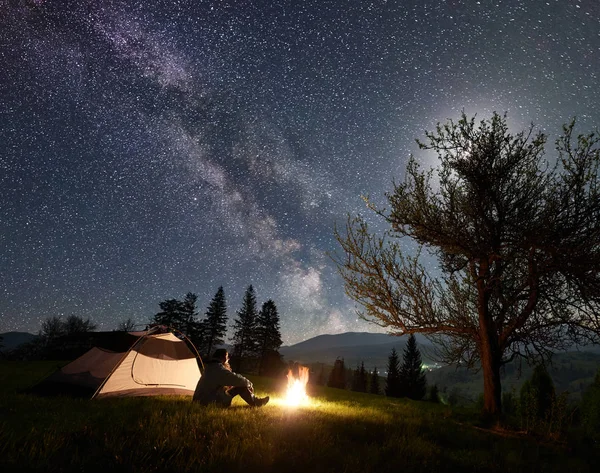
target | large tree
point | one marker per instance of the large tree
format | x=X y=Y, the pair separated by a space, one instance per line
x=508 y=248
x=268 y=333
x=244 y=328
x=171 y=314
x=215 y=323
x=181 y=315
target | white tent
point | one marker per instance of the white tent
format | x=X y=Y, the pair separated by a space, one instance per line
x=155 y=364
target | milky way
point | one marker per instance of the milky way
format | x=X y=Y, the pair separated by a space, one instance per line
x=150 y=149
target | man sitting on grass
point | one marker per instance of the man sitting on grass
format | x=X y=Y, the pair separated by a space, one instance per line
x=219 y=385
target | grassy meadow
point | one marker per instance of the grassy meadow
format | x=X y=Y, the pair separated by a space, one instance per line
x=339 y=431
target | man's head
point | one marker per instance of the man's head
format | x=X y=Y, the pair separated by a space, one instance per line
x=221 y=355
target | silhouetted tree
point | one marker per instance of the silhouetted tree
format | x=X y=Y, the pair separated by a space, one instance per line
x=267 y=332
x=272 y=364
x=517 y=242
x=374 y=386
x=189 y=314
x=337 y=377
x=360 y=379
x=434 y=394
x=244 y=336
x=126 y=326
x=58 y=338
x=215 y=323
x=74 y=324
x=54 y=327
x=537 y=394
x=392 y=383
x=320 y=381
x=180 y=315
x=412 y=377
x=171 y=314
x=590 y=411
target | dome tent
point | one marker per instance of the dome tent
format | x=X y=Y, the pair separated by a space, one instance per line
x=157 y=362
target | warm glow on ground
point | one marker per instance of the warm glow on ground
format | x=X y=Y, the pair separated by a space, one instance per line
x=296 y=388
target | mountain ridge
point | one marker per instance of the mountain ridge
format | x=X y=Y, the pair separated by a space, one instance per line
x=11 y=340
x=372 y=349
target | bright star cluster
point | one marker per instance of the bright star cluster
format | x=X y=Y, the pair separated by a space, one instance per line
x=154 y=148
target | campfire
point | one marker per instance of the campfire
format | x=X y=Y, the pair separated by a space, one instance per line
x=296 y=387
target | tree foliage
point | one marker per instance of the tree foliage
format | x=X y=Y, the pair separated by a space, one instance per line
x=180 y=315
x=412 y=377
x=58 y=338
x=537 y=394
x=374 y=385
x=360 y=379
x=514 y=240
x=244 y=326
x=267 y=334
x=268 y=339
x=590 y=411
x=215 y=323
x=393 y=387
x=434 y=394
x=55 y=327
x=127 y=325
x=337 y=377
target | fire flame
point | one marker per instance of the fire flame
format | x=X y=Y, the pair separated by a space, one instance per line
x=296 y=389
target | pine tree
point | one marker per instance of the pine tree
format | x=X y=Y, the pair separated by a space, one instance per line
x=268 y=335
x=434 y=394
x=171 y=314
x=537 y=395
x=321 y=378
x=392 y=384
x=337 y=377
x=188 y=313
x=412 y=377
x=355 y=379
x=215 y=324
x=182 y=316
x=244 y=336
x=374 y=387
x=359 y=379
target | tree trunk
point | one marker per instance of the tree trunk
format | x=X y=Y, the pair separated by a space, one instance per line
x=492 y=390
x=489 y=351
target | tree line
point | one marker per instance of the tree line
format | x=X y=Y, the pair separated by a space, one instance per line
x=256 y=335
x=256 y=338
x=402 y=380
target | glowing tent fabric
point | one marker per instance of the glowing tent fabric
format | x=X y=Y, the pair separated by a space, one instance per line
x=156 y=364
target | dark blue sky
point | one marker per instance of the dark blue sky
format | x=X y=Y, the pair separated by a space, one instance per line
x=150 y=149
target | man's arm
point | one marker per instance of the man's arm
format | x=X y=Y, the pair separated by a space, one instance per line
x=228 y=378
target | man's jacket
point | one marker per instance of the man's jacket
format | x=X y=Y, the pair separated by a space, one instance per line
x=213 y=384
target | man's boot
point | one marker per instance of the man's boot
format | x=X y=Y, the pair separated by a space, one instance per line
x=260 y=401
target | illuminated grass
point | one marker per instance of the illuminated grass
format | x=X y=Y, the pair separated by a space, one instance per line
x=336 y=431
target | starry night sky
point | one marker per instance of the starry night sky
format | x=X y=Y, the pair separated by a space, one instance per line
x=150 y=149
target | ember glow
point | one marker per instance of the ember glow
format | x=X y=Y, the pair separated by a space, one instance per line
x=296 y=388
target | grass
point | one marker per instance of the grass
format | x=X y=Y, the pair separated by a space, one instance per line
x=339 y=431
